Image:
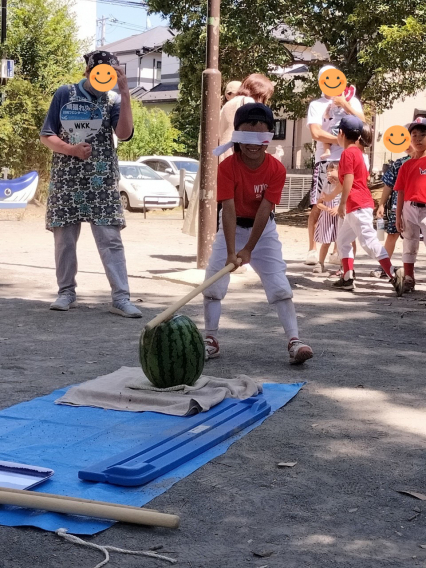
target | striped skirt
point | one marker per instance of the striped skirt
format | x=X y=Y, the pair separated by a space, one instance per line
x=326 y=227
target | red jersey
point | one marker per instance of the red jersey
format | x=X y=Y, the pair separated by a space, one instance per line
x=412 y=180
x=248 y=187
x=352 y=162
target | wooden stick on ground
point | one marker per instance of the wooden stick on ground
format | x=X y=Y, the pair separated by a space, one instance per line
x=174 y=308
x=86 y=507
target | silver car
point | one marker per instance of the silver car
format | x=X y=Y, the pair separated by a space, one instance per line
x=142 y=188
x=168 y=167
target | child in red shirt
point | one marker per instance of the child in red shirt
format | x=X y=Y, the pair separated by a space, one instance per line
x=249 y=184
x=411 y=205
x=356 y=209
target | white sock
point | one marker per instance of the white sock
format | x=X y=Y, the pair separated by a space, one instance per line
x=287 y=316
x=212 y=310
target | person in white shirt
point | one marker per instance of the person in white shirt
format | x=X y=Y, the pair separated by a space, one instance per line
x=321 y=128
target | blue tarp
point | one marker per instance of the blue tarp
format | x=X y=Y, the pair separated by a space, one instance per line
x=68 y=439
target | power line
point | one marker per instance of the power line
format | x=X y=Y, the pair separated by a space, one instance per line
x=130 y=29
x=122 y=3
x=128 y=25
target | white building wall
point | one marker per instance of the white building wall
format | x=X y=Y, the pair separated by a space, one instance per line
x=169 y=69
x=141 y=71
x=296 y=156
x=85 y=16
x=147 y=67
x=130 y=61
x=401 y=113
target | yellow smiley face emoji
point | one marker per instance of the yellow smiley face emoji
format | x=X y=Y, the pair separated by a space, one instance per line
x=332 y=82
x=397 y=139
x=103 y=77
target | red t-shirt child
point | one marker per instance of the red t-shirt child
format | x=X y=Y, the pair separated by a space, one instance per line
x=352 y=162
x=248 y=187
x=412 y=180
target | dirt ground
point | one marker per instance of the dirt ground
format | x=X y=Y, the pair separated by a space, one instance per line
x=357 y=430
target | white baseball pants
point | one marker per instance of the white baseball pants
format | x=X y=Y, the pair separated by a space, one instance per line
x=414 y=219
x=268 y=263
x=359 y=224
x=266 y=260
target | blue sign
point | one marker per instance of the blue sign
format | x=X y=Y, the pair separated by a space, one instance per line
x=10 y=69
x=7 y=67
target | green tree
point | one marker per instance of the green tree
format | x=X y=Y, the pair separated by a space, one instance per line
x=378 y=44
x=247 y=46
x=153 y=134
x=42 y=39
x=367 y=39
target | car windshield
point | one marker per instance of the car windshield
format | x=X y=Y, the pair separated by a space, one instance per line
x=138 y=172
x=191 y=167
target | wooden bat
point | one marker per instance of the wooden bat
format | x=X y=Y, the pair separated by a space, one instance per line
x=88 y=508
x=168 y=313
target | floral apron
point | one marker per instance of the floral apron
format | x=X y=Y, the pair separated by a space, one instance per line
x=86 y=190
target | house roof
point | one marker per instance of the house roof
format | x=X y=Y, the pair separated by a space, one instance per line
x=162 y=93
x=293 y=41
x=287 y=35
x=151 y=38
x=137 y=93
x=296 y=69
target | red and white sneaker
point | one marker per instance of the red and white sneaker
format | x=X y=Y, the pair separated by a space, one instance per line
x=211 y=345
x=299 y=352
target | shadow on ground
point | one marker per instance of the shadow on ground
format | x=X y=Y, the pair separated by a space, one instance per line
x=357 y=431
x=293 y=218
x=175 y=257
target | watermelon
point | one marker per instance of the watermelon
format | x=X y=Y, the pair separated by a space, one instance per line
x=172 y=353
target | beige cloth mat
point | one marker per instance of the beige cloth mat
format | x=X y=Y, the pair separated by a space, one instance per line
x=129 y=389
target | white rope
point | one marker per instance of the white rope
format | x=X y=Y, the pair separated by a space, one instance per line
x=74 y=539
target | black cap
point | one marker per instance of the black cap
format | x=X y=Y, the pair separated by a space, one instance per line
x=351 y=124
x=254 y=111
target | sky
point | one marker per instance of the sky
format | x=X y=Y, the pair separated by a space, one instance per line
x=131 y=20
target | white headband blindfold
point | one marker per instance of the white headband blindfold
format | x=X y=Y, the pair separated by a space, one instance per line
x=242 y=137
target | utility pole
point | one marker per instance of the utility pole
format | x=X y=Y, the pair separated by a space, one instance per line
x=102 y=21
x=3 y=20
x=3 y=41
x=210 y=109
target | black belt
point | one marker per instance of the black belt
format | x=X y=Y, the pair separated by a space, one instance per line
x=247 y=222
x=416 y=204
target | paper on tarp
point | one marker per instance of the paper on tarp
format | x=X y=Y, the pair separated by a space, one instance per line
x=22 y=476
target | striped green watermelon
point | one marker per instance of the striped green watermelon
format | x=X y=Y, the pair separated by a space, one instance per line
x=172 y=353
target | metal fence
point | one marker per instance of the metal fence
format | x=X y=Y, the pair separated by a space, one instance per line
x=295 y=188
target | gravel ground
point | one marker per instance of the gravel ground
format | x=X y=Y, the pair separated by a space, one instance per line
x=357 y=430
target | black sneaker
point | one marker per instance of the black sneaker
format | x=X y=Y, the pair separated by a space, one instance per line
x=397 y=281
x=340 y=273
x=344 y=284
x=378 y=273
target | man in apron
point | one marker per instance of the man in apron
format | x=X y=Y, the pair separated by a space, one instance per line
x=84 y=182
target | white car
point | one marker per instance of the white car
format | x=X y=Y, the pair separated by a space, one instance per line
x=142 y=188
x=169 y=168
